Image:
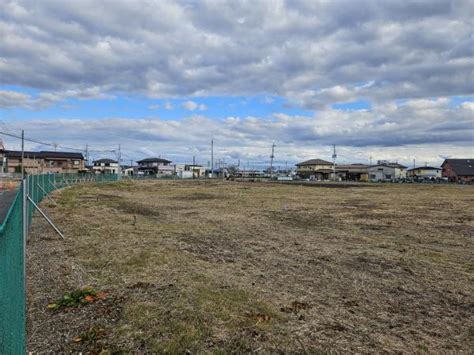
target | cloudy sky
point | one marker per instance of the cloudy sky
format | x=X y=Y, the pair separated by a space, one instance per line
x=380 y=79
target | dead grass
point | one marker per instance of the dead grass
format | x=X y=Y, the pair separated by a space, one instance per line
x=239 y=267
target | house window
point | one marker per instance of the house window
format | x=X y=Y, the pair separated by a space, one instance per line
x=388 y=176
x=76 y=162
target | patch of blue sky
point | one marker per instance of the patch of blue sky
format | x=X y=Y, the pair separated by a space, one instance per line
x=216 y=107
x=357 y=105
x=458 y=100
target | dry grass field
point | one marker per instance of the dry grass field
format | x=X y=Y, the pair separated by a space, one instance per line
x=200 y=266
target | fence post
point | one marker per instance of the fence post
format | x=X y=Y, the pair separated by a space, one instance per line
x=25 y=222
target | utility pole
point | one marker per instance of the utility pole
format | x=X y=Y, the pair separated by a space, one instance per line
x=3 y=161
x=334 y=156
x=271 y=160
x=212 y=158
x=414 y=163
x=87 y=154
x=223 y=168
x=119 y=160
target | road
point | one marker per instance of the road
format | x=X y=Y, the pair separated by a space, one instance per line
x=6 y=199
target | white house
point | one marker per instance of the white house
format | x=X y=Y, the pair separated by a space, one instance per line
x=424 y=172
x=387 y=172
x=197 y=170
x=128 y=170
x=105 y=166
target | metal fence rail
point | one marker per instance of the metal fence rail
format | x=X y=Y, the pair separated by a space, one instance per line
x=13 y=235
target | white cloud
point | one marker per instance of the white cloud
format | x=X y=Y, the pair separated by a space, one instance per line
x=321 y=50
x=358 y=135
x=310 y=53
x=154 y=107
x=193 y=106
x=11 y=99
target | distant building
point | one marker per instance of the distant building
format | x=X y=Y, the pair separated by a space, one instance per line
x=315 y=168
x=105 y=166
x=198 y=171
x=251 y=173
x=128 y=170
x=179 y=169
x=387 y=172
x=424 y=172
x=218 y=173
x=3 y=164
x=458 y=170
x=155 y=166
x=352 y=172
x=42 y=162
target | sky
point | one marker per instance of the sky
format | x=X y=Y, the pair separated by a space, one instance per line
x=382 y=80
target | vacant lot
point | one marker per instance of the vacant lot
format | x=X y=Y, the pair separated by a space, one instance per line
x=239 y=267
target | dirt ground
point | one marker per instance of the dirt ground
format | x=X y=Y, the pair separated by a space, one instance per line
x=200 y=266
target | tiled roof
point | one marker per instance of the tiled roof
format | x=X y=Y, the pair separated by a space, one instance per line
x=153 y=160
x=43 y=155
x=314 y=162
x=105 y=161
x=463 y=167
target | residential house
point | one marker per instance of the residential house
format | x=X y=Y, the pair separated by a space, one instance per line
x=42 y=162
x=386 y=171
x=198 y=171
x=3 y=164
x=424 y=173
x=315 y=169
x=128 y=170
x=155 y=166
x=458 y=170
x=218 y=173
x=352 y=172
x=179 y=169
x=105 y=166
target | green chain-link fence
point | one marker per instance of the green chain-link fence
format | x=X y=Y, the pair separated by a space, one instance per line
x=12 y=255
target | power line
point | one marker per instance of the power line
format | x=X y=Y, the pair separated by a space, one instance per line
x=55 y=145
x=39 y=142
